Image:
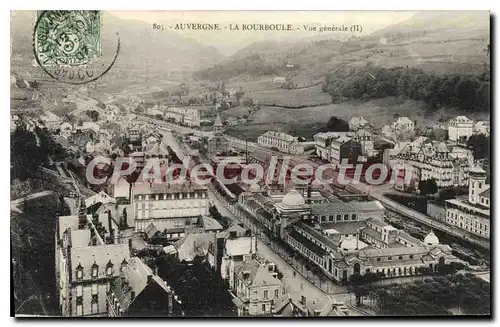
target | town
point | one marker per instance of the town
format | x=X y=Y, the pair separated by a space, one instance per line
x=273 y=249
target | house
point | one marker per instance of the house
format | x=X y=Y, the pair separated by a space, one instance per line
x=337 y=146
x=139 y=292
x=460 y=129
x=279 y=80
x=403 y=125
x=257 y=288
x=356 y=123
x=51 y=120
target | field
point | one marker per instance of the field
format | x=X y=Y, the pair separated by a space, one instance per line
x=306 y=121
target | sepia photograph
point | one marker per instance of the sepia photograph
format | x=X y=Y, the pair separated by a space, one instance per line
x=250 y=164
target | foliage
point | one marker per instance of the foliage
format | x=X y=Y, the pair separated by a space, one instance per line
x=436 y=296
x=480 y=146
x=428 y=186
x=336 y=125
x=30 y=150
x=468 y=92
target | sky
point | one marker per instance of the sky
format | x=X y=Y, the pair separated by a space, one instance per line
x=230 y=41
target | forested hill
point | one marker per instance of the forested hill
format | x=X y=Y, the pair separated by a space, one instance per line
x=470 y=93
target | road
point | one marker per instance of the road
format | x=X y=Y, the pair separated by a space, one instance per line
x=295 y=284
x=16 y=202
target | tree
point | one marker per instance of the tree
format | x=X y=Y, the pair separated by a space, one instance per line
x=428 y=186
x=337 y=125
x=480 y=146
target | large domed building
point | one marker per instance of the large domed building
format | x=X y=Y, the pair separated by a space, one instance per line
x=292 y=203
x=431 y=239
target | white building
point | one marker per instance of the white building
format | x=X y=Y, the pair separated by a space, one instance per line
x=472 y=215
x=424 y=159
x=460 y=128
x=403 y=125
x=279 y=80
x=88 y=258
x=283 y=142
x=482 y=127
x=356 y=123
x=50 y=120
x=174 y=207
x=183 y=115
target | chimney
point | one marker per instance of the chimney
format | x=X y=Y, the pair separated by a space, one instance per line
x=309 y=186
x=110 y=227
x=150 y=278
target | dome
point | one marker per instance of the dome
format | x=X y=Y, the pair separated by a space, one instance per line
x=293 y=199
x=431 y=239
x=348 y=244
x=254 y=188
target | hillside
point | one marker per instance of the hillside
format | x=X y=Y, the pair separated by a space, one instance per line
x=146 y=55
x=439 y=42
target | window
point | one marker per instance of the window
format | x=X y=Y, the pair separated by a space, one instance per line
x=94 y=289
x=400 y=257
x=79 y=290
x=109 y=268
x=265 y=294
x=79 y=272
x=264 y=307
x=378 y=259
x=79 y=310
x=338 y=218
x=346 y=217
x=323 y=218
x=276 y=293
x=354 y=217
x=330 y=218
x=389 y=258
x=95 y=270
x=411 y=256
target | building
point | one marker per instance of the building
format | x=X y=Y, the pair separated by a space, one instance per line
x=173 y=208
x=403 y=125
x=257 y=287
x=139 y=292
x=482 y=127
x=473 y=214
x=185 y=116
x=338 y=146
x=217 y=144
x=341 y=241
x=365 y=139
x=357 y=123
x=424 y=159
x=279 y=80
x=50 y=120
x=91 y=250
x=460 y=129
x=281 y=141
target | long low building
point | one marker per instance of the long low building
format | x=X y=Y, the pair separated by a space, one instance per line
x=343 y=239
x=283 y=142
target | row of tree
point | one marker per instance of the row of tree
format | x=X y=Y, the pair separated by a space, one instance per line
x=468 y=92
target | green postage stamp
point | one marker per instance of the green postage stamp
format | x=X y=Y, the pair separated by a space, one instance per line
x=68 y=38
